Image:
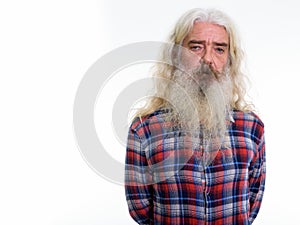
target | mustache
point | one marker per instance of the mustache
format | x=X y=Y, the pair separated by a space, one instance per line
x=205 y=72
x=200 y=78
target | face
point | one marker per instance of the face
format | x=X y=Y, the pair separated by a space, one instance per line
x=206 y=42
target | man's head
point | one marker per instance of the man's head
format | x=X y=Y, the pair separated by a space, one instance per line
x=200 y=37
x=208 y=43
x=211 y=36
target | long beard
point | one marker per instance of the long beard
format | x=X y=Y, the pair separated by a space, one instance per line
x=200 y=103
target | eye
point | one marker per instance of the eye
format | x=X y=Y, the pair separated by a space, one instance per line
x=220 y=50
x=196 y=48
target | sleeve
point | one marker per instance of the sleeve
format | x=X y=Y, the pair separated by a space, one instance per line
x=257 y=177
x=138 y=188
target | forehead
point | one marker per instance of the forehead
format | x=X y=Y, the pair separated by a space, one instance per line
x=208 y=32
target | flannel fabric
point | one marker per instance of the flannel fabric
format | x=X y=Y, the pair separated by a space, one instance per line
x=166 y=181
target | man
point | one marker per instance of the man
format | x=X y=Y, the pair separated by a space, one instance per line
x=196 y=152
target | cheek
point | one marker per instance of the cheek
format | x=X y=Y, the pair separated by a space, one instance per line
x=220 y=63
x=189 y=60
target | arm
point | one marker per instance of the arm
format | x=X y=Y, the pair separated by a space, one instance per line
x=138 y=186
x=257 y=180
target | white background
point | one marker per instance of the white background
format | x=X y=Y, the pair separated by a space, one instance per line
x=45 y=49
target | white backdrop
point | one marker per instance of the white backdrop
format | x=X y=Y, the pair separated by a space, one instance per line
x=45 y=49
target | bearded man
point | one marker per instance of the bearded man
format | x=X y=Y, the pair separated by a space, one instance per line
x=196 y=151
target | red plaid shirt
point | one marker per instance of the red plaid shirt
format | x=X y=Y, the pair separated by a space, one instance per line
x=166 y=183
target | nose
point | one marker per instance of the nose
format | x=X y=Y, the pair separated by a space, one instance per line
x=207 y=57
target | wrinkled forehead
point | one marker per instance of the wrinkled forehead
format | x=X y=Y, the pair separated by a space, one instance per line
x=206 y=31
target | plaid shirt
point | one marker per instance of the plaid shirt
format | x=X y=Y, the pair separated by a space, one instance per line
x=165 y=184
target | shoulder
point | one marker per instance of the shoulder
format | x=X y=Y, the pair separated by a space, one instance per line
x=249 y=124
x=140 y=124
x=247 y=117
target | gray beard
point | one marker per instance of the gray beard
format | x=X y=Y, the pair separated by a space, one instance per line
x=199 y=104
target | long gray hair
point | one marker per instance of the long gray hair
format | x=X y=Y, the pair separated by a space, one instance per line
x=165 y=71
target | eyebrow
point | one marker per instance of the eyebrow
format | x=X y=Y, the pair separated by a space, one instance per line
x=224 y=44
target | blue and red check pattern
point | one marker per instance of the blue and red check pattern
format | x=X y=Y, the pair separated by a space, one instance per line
x=166 y=183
